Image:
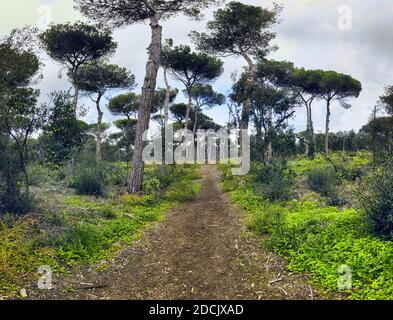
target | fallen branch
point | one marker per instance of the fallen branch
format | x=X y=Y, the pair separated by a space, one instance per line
x=91 y=286
x=275 y=280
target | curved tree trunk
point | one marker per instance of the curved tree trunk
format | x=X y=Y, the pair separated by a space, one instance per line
x=328 y=113
x=147 y=98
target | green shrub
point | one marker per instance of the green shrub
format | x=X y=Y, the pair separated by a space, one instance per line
x=378 y=202
x=130 y=200
x=151 y=186
x=181 y=191
x=116 y=175
x=13 y=200
x=268 y=221
x=38 y=174
x=107 y=213
x=81 y=241
x=324 y=182
x=89 y=182
x=274 y=181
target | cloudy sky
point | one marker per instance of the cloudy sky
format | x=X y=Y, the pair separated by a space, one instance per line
x=348 y=36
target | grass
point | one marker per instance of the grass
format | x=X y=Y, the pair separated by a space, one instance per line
x=320 y=239
x=78 y=229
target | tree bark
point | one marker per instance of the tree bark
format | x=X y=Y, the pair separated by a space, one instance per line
x=147 y=99
x=166 y=118
x=310 y=135
x=98 y=134
x=189 y=106
x=270 y=129
x=196 y=119
x=328 y=113
x=247 y=106
x=75 y=99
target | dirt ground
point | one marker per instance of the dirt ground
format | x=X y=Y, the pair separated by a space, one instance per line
x=201 y=251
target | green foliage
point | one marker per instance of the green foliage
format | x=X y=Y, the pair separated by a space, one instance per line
x=191 y=68
x=387 y=100
x=151 y=186
x=76 y=44
x=319 y=239
x=181 y=192
x=273 y=181
x=18 y=254
x=116 y=174
x=63 y=133
x=378 y=202
x=81 y=241
x=239 y=29
x=98 y=77
x=78 y=229
x=89 y=181
x=324 y=182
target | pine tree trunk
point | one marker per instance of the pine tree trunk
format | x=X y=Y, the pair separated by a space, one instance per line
x=328 y=113
x=270 y=130
x=166 y=118
x=147 y=99
x=308 y=132
x=196 y=119
x=76 y=93
x=189 y=106
x=98 y=134
x=247 y=106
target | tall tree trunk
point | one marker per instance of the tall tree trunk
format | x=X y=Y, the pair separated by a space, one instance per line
x=166 y=118
x=247 y=106
x=196 y=119
x=308 y=131
x=189 y=106
x=270 y=131
x=147 y=99
x=75 y=99
x=98 y=134
x=328 y=113
x=311 y=133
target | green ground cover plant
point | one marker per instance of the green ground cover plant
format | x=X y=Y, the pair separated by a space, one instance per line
x=78 y=229
x=317 y=238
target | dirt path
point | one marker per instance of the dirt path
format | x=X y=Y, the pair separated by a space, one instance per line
x=201 y=251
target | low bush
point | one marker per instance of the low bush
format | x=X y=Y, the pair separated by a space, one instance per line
x=136 y=200
x=39 y=174
x=151 y=186
x=181 y=191
x=319 y=240
x=273 y=181
x=378 y=202
x=89 y=182
x=324 y=182
x=81 y=241
x=116 y=174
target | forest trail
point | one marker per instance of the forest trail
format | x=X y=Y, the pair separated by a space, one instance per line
x=201 y=251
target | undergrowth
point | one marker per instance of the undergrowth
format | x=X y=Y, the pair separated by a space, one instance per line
x=86 y=229
x=318 y=239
